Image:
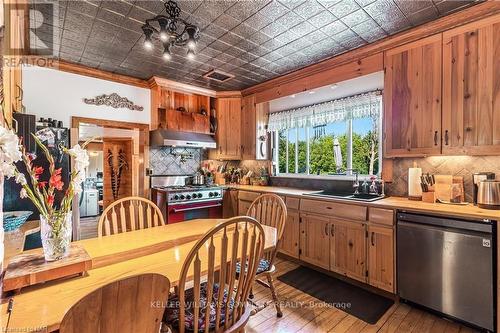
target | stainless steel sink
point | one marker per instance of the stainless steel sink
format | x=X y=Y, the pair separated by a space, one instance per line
x=347 y=196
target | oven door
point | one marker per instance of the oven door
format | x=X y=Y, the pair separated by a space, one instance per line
x=190 y=211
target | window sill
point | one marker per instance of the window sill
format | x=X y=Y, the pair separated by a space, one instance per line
x=323 y=177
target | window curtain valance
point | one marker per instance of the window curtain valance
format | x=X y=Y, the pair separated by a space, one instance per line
x=338 y=110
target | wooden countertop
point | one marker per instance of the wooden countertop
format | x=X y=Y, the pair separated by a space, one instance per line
x=157 y=250
x=464 y=211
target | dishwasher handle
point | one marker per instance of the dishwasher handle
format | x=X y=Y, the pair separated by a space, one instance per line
x=470 y=225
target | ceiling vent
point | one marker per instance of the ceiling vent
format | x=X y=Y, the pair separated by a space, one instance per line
x=218 y=76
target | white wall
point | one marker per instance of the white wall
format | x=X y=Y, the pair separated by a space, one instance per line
x=59 y=95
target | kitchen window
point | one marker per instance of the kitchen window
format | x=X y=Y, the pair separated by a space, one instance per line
x=332 y=138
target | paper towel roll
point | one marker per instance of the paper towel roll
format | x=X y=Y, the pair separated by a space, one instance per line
x=414 y=188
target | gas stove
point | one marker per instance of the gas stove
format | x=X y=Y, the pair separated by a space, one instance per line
x=180 y=194
x=177 y=192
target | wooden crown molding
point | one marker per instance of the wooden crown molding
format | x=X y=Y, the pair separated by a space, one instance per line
x=157 y=81
x=69 y=67
x=454 y=20
x=227 y=94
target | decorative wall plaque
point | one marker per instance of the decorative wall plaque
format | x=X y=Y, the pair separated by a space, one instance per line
x=114 y=100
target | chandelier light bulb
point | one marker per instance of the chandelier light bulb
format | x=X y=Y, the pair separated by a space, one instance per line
x=148 y=44
x=190 y=54
x=164 y=36
x=166 y=54
x=191 y=44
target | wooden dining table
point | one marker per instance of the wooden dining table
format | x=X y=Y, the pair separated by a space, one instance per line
x=162 y=250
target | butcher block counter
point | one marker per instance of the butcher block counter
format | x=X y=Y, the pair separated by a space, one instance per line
x=464 y=211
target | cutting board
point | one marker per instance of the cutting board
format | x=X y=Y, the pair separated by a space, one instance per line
x=30 y=267
x=443 y=185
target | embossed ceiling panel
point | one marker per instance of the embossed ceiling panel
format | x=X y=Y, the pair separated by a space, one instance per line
x=255 y=40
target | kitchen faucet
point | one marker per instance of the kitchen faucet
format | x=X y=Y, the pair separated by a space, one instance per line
x=355 y=184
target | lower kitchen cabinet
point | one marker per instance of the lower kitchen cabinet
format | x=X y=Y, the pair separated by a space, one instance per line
x=290 y=239
x=315 y=240
x=348 y=249
x=381 y=257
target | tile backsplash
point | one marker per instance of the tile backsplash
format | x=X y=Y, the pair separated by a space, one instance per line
x=162 y=162
x=245 y=165
x=443 y=165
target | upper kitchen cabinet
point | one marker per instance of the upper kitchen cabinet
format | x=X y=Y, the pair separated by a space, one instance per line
x=228 y=134
x=179 y=108
x=471 y=88
x=412 y=98
x=254 y=136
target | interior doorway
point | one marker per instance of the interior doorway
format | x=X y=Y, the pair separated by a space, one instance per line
x=116 y=170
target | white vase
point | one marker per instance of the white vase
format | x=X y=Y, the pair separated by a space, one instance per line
x=55 y=232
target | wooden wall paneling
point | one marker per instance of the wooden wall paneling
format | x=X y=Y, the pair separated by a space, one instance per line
x=114 y=145
x=471 y=89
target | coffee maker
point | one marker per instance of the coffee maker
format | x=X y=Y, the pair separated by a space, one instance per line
x=476 y=179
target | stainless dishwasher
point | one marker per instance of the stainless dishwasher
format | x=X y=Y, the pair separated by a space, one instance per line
x=447 y=265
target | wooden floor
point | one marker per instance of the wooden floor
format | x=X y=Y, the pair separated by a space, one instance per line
x=399 y=318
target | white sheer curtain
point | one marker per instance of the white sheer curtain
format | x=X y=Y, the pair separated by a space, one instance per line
x=338 y=110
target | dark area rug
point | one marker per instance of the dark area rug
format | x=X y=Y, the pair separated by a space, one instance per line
x=354 y=300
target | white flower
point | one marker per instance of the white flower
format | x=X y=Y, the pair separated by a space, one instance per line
x=23 y=193
x=81 y=159
x=10 y=151
x=20 y=179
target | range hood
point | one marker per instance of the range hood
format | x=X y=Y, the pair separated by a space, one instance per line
x=169 y=138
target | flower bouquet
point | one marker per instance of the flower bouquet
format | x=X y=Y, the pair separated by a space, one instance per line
x=55 y=217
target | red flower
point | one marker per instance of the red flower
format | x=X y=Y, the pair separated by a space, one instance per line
x=42 y=184
x=50 y=200
x=38 y=171
x=55 y=180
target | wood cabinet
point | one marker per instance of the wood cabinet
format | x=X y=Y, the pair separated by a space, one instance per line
x=245 y=199
x=315 y=240
x=290 y=239
x=412 y=98
x=228 y=135
x=348 y=248
x=248 y=128
x=381 y=257
x=471 y=88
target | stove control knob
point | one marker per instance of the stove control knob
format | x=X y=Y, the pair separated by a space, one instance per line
x=216 y=194
x=176 y=197
x=199 y=195
x=182 y=197
x=211 y=194
x=188 y=197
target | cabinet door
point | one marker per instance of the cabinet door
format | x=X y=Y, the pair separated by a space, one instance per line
x=290 y=238
x=229 y=128
x=412 y=99
x=348 y=249
x=381 y=257
x=315 y=240
x=243 y=207
x=248 y=127
x=471 y=88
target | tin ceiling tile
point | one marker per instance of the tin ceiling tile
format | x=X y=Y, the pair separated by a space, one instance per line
x=255 y=40
x=344 y=8
x=309 y=9
x=322 y=19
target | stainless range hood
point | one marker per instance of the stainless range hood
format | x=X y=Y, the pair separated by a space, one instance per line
x=169 y=138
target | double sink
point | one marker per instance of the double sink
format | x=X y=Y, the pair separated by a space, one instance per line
x=347 y=196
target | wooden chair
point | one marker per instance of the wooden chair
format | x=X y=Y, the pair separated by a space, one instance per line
x=129 y=214
x=134 y=304
x=211 y=263
x=270 y=210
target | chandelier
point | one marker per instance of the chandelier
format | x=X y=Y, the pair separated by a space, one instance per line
x=172 y=30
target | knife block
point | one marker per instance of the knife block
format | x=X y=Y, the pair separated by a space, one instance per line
x=429 y=197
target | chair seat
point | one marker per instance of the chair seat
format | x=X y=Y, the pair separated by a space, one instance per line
x=172 y=311
x=264 y=266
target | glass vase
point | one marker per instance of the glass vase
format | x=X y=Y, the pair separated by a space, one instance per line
x=55 y=232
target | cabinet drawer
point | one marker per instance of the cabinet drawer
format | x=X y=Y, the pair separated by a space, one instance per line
x=292 y=203
x=248 y=196
x=381 y=216
x=351 y=212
